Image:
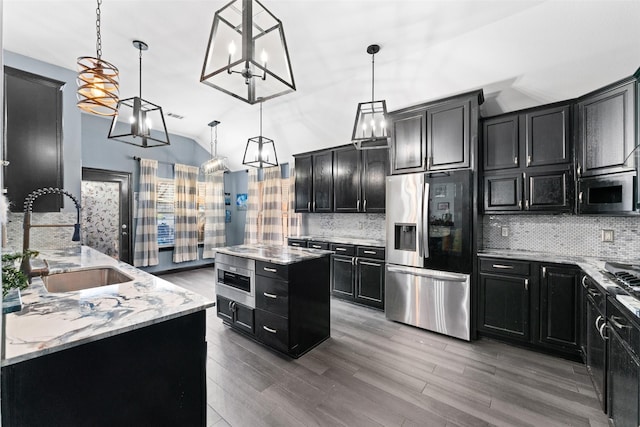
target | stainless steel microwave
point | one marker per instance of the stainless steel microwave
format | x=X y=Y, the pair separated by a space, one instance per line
x=614 y=193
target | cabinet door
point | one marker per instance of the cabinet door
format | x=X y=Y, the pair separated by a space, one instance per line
x=243 y=317
x=606 y=131
x=375 y=164
x=550 y=190
x=346 y=180
x=504 y=306
x=223 y=309
x=322 y=182
x=559 y=307
x=503 y=192
x=370 y=282
x=408 y=143
x=623 y=383
x=342 y=276
x=500 y=143
x=272 y=330
x=596 y=351
x=548 y=136
x=448 y=136
x=303 y=183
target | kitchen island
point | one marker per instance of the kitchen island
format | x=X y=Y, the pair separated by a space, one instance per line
x=278 y=295
x=131 y=353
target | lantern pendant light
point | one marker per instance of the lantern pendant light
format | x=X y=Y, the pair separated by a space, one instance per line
x=133 y=124
x=215 y=163
x=260 y=151
x=370 y=130
x=97 y=80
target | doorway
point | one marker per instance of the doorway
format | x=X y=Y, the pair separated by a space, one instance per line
x=106 y=212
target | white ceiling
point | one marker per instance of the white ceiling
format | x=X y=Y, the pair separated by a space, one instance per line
x=522 y=53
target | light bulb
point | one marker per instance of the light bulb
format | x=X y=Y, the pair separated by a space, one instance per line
x=232 y=49
x=264 y=57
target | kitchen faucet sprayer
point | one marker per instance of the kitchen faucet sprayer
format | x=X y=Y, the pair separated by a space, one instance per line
x=28 y=208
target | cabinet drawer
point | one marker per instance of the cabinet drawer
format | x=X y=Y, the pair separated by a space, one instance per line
x=620 y=321
x=370 y=252
x=274 y=271
x=494 y=265
x=297 y=243
x=272 y=295
x=272 y=330
x=340 y=249
x=318 y=245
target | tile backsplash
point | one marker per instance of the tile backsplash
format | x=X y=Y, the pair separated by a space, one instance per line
x=41 y=238
x=564 y=234
x=356 y=225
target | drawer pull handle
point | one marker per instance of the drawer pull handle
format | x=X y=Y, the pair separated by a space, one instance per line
x=268 y=329
x=601 y=330
x=598 y=319
x=268 y=295
x=316 y=246
x=341 y=249
x=615 y=320
x=270 y=270
x=502 y=266
x=526 y=284
x=295 y=244
x=584 y=283
x=370 y=252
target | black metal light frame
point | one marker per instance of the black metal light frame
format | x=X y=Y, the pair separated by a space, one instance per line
x=260 y=160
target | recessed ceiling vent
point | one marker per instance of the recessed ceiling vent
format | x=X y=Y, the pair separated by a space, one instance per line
x=175 y=116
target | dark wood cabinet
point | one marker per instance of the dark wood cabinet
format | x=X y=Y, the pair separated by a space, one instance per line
x=607 y=129
x=342 y=274
x=503 y=305
x=559 y=307
x=369 y=282
x=300 y=243
x=314 y=182
x=435 y=136
x=359 y=180
x=535 y=144
x=357 y=274
x=237 y=315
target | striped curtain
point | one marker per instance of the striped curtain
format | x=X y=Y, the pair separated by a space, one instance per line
x=295 y=219
x=271 y=225
x=146 y=241
x=214 y=227
x=251 y=224
x=186 y=215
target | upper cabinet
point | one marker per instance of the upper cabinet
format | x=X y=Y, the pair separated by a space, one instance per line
x=527 y=161
x=435 y=136
x=314 y=182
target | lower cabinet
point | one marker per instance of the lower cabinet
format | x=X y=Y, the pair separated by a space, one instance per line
x=235 y=314
x=358 y=275
x=530 y=302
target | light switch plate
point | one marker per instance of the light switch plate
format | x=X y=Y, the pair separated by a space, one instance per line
x=607 y=235
x=504 y=231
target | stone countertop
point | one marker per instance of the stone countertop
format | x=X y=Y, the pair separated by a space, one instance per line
x=51 y=322
x=594 y=267
x=342 y=240
x=284 y=255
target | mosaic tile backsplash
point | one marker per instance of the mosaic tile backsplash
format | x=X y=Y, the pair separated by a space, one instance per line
x=363 y=226
x=564 y=234
x=41 y=238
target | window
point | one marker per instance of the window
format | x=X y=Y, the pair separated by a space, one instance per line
x=166 y=218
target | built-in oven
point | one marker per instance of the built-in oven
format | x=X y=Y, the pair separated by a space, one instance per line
x=235 y=279
x=612 y=193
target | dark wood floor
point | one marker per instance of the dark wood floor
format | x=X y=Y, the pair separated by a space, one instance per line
x=374 y=372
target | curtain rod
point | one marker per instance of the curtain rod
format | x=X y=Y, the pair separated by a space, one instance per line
x=172 y=164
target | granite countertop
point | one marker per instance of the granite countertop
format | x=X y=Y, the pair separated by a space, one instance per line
x=342 y=240
x=284 y=255
x=594 y=267
x=51 y=322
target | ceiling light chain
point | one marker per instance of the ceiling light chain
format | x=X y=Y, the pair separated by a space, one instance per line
x=98 y=35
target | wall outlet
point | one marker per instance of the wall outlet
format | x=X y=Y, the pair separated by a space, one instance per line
x=504 y=231
x=607 y=235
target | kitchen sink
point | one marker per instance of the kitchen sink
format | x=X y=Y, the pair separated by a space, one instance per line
x=84 y=279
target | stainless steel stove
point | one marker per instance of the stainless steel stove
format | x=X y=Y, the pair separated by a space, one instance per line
x=627 y=276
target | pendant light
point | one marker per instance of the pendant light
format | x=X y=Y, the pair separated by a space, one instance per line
x=136 y=118
x=97 y=80
x=247 y=55
x=215 y=163
x=260 y=151
x=370 y=129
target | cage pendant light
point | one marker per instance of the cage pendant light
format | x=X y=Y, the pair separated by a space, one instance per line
x=247 y=55
x=97 y=80
x=370 y=130
x=215 y=163
x=138 y=121
x=260 y=151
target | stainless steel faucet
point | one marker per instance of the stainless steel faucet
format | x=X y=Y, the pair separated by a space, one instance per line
x=25 y=266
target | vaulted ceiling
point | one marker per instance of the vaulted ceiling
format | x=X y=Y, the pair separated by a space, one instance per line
x=522 y=53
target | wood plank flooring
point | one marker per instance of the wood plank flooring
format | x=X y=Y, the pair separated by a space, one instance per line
x=374 y=372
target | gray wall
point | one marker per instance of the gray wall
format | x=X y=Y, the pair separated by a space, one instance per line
x=234 y=183
x=564 y=234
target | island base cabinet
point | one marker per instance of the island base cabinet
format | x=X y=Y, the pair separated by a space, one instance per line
x=272 y=330
x=234 y=314
x=150 y=376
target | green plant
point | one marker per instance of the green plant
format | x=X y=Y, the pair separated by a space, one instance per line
x=12 y=277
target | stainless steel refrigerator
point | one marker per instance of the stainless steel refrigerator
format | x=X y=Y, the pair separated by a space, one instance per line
x=429 y=256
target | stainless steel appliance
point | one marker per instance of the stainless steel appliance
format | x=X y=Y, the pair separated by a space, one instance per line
x=235 y=279
x=429 y=256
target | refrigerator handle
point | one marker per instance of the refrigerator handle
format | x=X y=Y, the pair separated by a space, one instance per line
x=424 y=232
